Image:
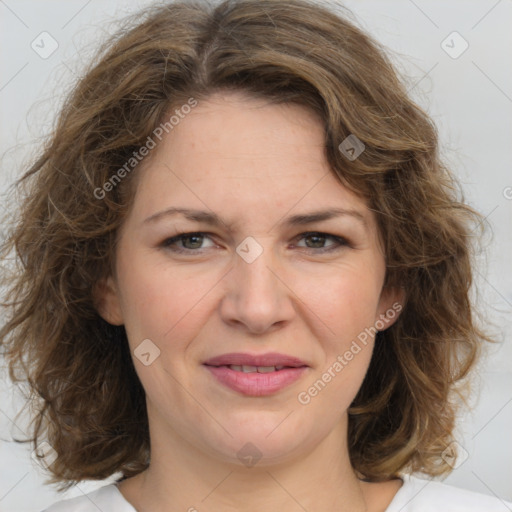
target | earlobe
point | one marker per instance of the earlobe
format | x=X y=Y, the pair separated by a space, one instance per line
x=391 y=303
x=106 y=301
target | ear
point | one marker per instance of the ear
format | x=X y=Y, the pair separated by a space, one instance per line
x=106 y=299
x=391 y=303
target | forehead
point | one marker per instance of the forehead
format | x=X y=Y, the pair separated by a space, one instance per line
x=242 y=134
x=239 y=155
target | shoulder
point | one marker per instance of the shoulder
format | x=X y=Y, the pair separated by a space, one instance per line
x=418 y=495
x=105 y=498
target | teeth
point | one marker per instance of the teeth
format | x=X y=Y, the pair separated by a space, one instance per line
x=266 y=369
x=254 y=369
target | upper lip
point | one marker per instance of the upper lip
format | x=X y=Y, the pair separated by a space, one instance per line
x=268 y=359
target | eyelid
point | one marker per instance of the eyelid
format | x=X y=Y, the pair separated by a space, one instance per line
x=176 y=238
x=340 y=242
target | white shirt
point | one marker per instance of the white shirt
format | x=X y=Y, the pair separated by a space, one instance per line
x=415 y=495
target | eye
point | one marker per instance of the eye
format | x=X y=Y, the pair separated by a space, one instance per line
x=190 y=242
x=193 y=242
x=316 y=241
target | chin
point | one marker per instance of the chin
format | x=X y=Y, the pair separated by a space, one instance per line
x=260 y=441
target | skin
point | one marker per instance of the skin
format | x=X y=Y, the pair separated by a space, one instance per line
x=253 y=164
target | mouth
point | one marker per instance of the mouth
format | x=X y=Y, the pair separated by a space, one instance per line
x=268 y=360
x=253 y=369
x=256 y=375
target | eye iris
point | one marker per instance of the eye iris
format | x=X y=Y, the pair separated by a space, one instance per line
x=318 y=242
x=198 y=238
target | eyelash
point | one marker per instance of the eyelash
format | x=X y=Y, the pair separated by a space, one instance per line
x=340 y=242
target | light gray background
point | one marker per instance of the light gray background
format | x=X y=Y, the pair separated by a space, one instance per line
x=470 y=99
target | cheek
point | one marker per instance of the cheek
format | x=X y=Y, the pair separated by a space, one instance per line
x=345 y=300
x=154 y=300
x=347 y=307
x=167 y=305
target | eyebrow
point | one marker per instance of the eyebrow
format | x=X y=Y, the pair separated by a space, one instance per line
x=294 y=220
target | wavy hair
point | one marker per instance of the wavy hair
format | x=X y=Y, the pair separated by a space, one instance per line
x=84 y=393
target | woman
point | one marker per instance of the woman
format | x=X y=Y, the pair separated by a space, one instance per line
x=244 y=274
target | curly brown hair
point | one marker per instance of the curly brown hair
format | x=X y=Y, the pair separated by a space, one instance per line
x=87 y=400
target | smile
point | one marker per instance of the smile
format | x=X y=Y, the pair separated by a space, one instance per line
x=252 y=369
x=256 y=380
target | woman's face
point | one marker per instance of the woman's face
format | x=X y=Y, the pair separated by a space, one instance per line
x=258 y=279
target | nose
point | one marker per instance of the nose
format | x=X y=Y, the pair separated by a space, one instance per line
x=258 y=297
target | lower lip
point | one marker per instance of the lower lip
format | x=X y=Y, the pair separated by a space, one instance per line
x=256 y=384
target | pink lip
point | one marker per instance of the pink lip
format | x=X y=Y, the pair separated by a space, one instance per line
x=268 y=359
x=256 y=384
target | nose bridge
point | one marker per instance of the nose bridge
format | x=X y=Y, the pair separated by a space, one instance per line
x=252 y=270
x=256 y=297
